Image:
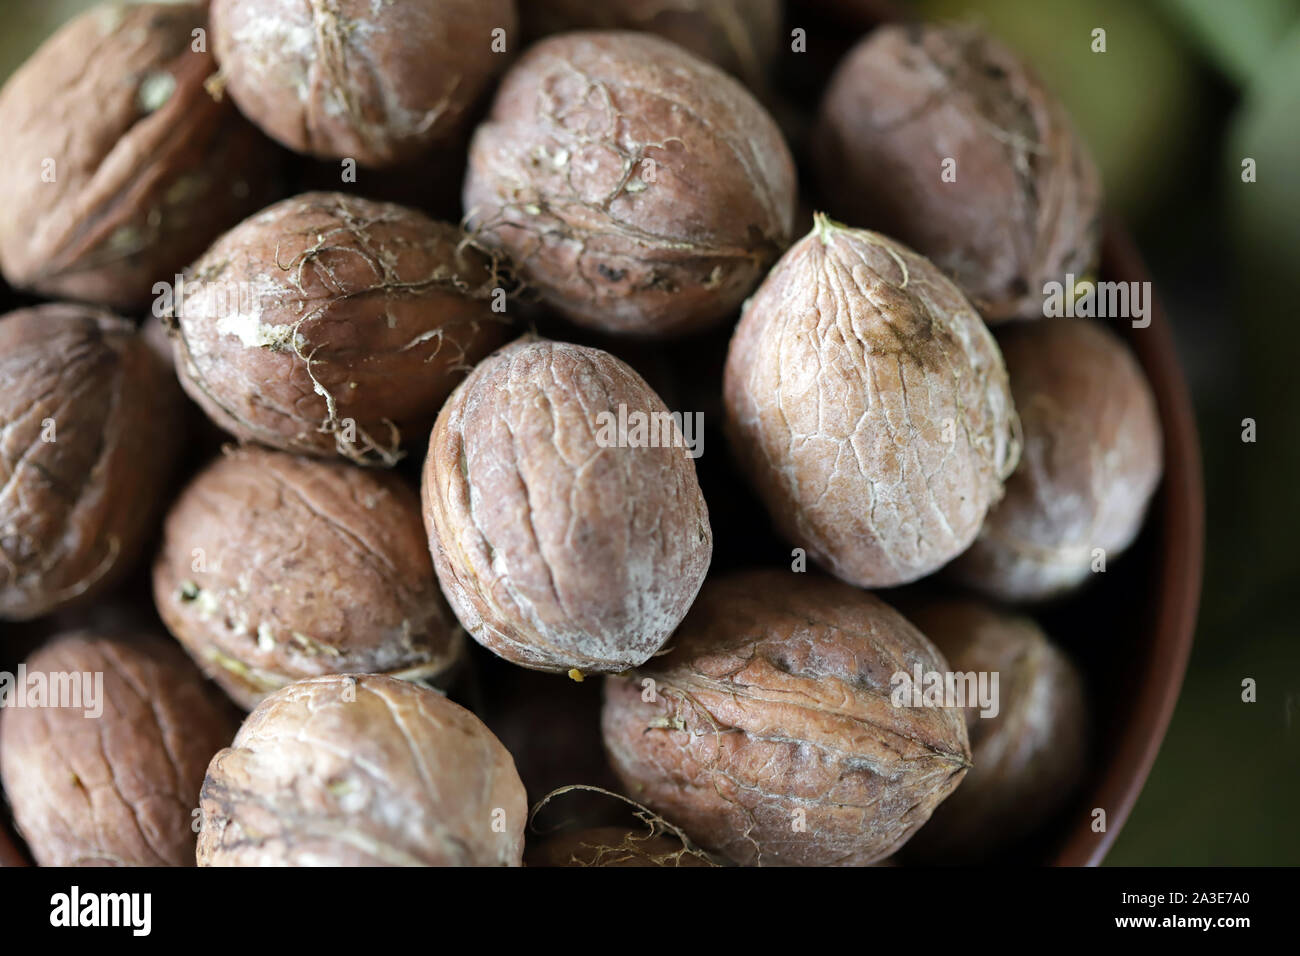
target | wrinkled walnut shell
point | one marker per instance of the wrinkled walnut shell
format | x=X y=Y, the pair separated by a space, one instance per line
x=613 y=846
x=557 y=552
x=1024 y=207
x=741 y=36
x=275 y=568
x=772 y=737
x=120 y=788
x=1030 y=756
x=639 y=189
x=90 y=428
x=362 y=771
x=147 y=168
x=355 y=79
x=1092 y=459
x=870 y=407
x=329 y=324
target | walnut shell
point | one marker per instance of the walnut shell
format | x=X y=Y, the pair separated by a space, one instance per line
x=772 y=738
x=89 y=433
x=329 y=324
x=869 y=406
x=1025 y=205
x=362 y=771
x=558 y=552
x=122 y=167
x=740 y=36
x=378 y=83
x=636 y=187
x=613 y=846
x=1092 y=459
x=117 y=788
x=275 y=568
x=1030 y=756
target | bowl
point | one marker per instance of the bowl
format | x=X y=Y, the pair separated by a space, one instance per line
x=1130 y=632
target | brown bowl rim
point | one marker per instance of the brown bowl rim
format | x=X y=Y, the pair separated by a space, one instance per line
x=1179 y=507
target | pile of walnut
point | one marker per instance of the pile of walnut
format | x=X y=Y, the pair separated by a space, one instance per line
x=625 y=203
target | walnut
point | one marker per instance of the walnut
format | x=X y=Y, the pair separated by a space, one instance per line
x=869 y=406
x=362 y=770
x=329 y=324
x=562 y=543
x=769 y=733
x=944 y=138
x=275 y=568
x=637 y=188
x=112 y=778
x=378 y=83
x=1029 y=757
x=1092 y=460
x=89 y=434
x=121 y=167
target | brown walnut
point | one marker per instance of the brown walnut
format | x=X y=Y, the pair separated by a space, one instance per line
x=1092 y=459
x=637 y=188
x=90 y=430
x=362 y=770
x=560 y=545
x=119 y=788
x=276 y=568
x=869 y=406
x=769 y=734
x=944 y=138
x=378 y=83
x=329 y=324
x=1028 y=758
x=120 y=166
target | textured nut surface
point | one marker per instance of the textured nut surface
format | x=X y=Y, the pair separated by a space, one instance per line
x=120 y=788
x=89 y=432
x=612 y=846
x=374 y=82
x=275 y=568
x=1092 y=459
x=329 y=324
x=1024 y=207
x=741 y=36
x=121 y=166
x=638 y=188
x=555 y=551
x=772 y=737
x=362 y=771
x=1028 y=758
x=870 y=407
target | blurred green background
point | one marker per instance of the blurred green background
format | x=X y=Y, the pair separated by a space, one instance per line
x=1185 y=90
